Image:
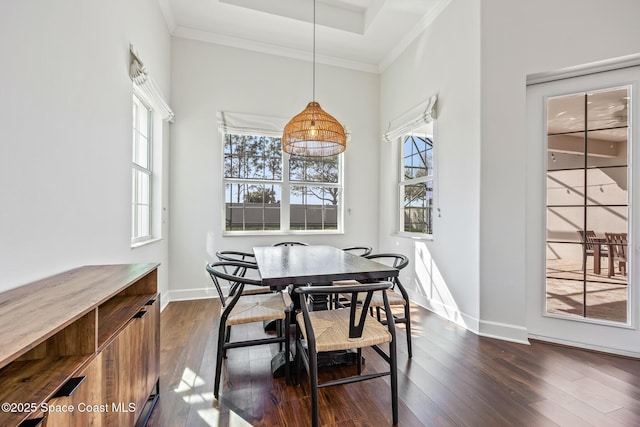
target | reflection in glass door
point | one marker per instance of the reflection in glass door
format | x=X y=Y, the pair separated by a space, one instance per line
x=587 y=205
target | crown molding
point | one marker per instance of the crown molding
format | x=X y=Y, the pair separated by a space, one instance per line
x=255 y=46
x=272 y=49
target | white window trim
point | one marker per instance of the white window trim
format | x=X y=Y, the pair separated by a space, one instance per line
x=149 y=171
x=252 y=124
x=420 y=115
x=150 y=95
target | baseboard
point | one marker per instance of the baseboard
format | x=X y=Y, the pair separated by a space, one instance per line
x=190 y=294
x=448 y=312
x=484 y=328
x=164 y=301
x=583 y=346
x=504 y=331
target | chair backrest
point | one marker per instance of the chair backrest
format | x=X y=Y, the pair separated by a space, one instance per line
x=234 y=273
x=236 y=256
x=588 y=238
x=617 y=243
x=358 y=309
x=290 y=244
x=359 y=250
x=398 y=261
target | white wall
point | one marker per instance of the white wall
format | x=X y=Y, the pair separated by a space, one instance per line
x=208 y=78
x=444 y=273
x=515 y=43
x=476 y=57
x=65 y=150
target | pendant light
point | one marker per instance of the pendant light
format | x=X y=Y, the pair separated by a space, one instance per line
x=314 y=132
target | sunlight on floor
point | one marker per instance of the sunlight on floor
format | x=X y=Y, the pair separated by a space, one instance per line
x=211 y=417
x=209 y=414
x=189 y=381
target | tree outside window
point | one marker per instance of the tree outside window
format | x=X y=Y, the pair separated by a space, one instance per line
x=416 y=184
x=264 y=187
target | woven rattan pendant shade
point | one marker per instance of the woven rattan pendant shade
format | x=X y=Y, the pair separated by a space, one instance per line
x=314 y=133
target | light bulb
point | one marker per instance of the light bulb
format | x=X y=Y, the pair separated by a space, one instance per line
x=313 y=131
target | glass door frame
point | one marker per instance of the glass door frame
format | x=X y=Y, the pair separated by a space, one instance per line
x=569 y=140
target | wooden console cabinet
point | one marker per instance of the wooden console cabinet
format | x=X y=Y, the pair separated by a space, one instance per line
x=81 y=348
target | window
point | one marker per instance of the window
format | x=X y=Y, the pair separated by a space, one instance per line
x=416 y=182
x=150 y=110
x=314 y=193
x=413 y=131
x=269 y=191
x=142 y=173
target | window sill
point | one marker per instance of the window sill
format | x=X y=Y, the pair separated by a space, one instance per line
x=145 y=242
x=414 y=236
x=280 y=233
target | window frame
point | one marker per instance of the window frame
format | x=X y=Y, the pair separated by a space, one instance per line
x=285 y=184
x=137 y=239
x=402 y=182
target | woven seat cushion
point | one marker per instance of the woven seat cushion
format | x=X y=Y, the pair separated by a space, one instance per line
x=377 y=301
x=345 y=282
x=257 y=308
x=331 y=328
x=256 y=290
x=393 y=297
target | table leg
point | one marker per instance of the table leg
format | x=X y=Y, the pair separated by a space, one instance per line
x=319 y=302
x=596 y=258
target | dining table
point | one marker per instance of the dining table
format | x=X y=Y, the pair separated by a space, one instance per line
x=281 y=266
x=285 y=267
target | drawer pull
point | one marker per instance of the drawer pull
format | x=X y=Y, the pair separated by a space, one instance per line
x=151 y=302
x=69 y=387
x=140 y=314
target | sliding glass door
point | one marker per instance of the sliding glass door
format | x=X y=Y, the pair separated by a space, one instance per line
x=587 y=205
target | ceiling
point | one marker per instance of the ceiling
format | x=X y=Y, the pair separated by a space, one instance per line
x=365 y=35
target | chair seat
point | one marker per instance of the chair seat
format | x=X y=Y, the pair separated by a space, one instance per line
x=256 y=290
x=251 y=309
x=394 y=299
x=345 y=282
x=331 y=328
x=377 y=301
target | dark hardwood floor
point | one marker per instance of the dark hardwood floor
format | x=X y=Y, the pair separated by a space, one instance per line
x=454 y=379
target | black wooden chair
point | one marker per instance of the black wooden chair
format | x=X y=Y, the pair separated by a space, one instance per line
x=359 y=250
x=240 y=308
x=395 y=299
x=247 y=257
x=344 y=329
x=356 y=250
x=398 y=261
x=290 y=244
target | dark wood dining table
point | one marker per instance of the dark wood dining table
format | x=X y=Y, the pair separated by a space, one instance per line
x=281 y=266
